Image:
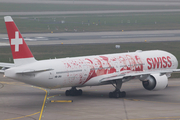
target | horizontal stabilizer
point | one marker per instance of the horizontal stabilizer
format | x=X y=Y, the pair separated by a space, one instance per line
x=8 y=65
x=1 y=71
x=5 y=66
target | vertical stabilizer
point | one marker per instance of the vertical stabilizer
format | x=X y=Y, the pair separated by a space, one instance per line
x=20 y=51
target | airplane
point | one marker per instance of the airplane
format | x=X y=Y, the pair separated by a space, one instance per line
x=152 y=67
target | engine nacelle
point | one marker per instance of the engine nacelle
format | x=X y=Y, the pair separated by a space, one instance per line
x=155 y=82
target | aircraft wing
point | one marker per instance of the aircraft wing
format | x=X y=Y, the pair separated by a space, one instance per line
x=114 y=76
x=176 y=70
x=111 y=78
x=131 y=74
x=33 y=71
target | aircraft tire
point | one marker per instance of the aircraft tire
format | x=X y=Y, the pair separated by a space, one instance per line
x=111 y=95
x=67 y=93
x=116 y=95
x=80 y=92
x=123 y=94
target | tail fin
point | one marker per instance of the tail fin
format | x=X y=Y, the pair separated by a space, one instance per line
x=20 y=51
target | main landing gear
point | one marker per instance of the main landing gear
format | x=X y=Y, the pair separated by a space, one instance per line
x=73 y=92
x=117 y=93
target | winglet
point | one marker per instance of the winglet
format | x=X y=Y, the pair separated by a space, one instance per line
x=20 y=51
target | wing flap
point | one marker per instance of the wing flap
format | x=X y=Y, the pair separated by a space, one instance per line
x=114 y=76
x=111 y=78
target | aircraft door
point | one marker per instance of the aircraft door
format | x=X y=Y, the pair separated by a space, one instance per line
x=85 y=71
x=51 y=74
x=116 y=66
x=172 y=61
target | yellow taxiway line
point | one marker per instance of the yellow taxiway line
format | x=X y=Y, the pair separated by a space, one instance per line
x=52 y=96
x=23 y=116
x=61 y=100
x=45 y=97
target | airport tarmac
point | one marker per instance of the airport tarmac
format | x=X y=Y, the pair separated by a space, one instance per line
x=19 y=101
x=96 y=37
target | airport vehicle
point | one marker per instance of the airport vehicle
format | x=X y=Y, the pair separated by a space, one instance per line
x=152 y=67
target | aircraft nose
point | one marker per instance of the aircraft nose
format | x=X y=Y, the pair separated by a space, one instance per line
x=175 y=61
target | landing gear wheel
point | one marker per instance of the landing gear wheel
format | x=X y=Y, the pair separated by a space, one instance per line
x=73 y=92
x=67 y=93
x=123 y=94
x=80 y=92
x=111 y=95
x=117 y=94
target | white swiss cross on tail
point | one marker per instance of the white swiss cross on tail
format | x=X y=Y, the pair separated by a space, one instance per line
x=20 y=51
x=17 y=41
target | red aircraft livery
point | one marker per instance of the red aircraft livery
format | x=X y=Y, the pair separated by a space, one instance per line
x=159 y=62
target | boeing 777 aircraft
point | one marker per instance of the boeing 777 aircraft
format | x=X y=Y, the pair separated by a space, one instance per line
x=152 y=67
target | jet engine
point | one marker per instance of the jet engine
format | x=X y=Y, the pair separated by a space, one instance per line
x=155 y=82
